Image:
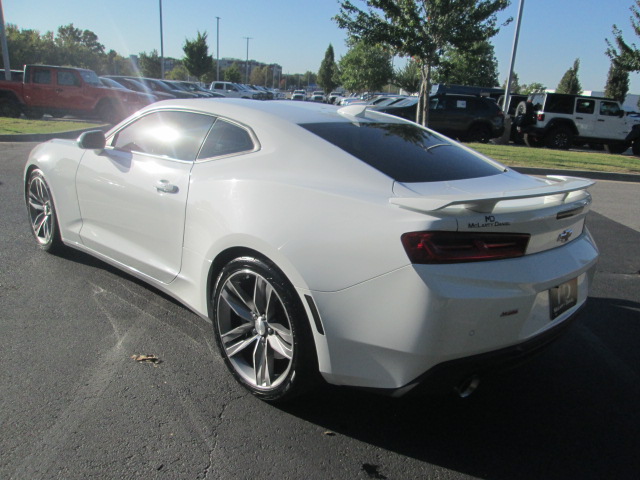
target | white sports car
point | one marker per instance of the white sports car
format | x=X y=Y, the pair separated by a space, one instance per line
x=324 y=242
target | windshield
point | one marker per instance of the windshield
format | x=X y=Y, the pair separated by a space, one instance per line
x=90 y=77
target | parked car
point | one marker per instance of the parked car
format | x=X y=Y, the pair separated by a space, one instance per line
x=560 y=121
x=318 y=96
x=299 y=95
x=138 y=86
x=515 y=102
x=60 y=91
x=232 y=90
x=136 y=97
x=466 y=117
x=330 y=243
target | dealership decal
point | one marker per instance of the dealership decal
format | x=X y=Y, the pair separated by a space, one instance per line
x=489 y=221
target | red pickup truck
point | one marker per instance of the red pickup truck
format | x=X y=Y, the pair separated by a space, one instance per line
x=61 y=91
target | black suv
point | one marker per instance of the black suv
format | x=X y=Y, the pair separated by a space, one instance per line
x=469 y=118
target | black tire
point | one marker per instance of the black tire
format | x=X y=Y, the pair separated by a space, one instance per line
x=108 y=113
x=616 y=148
x=42 y=213
x=532 y=141
x=9 y=108
x=559 y=138
x=596 y=146
x=635 y=147
x=259 y=320
x=31 y=115
x=478 y=133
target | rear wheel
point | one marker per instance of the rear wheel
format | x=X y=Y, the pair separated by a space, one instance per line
x=262 y=330
x=42 y=212
x=635 y=147
x=9 y=108
x=107 y=112
x=616 y=147
x=559 y=137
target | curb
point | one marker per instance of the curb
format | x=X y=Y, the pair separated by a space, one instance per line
x=43 y=137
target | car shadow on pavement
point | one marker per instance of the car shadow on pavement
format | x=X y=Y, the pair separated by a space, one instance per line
x=571 y=412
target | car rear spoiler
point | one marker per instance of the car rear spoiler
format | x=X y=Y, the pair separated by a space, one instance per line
x=560 y=186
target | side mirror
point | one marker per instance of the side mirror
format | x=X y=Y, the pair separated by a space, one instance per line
x=92 y=140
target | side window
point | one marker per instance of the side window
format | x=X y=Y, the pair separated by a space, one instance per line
x=42 y=77
x=610 y=109
x=226 y=138
x=585 y=106
x=68 y=79
x=218 y=86
x=176 y=135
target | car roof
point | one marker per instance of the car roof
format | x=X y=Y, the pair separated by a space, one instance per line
x=251 y=112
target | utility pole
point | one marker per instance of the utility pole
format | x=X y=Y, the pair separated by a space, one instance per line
x=217 y=49
x=161 y=45
x=5 y=48
x=246 y=80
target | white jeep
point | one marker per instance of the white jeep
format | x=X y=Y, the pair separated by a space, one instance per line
x=561 y=121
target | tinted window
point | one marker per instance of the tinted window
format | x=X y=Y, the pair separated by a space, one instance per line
x=560 y=104
x=226 y=138
x=68 y=79
x=42 y=77
x=609 y=108
x=168 y=134
x=585 y=106
x=404 y=152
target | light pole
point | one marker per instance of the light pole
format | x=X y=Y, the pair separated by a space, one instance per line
x=217 y=49
x=161 y=44
x=246 y=80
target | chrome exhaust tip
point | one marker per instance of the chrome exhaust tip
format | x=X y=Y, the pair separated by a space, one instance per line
x=468 y=386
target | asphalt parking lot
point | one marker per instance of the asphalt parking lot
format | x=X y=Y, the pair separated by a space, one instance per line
x=75 y=405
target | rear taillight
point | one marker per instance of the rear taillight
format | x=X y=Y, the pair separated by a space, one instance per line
x=540 y=117
x=456 y=247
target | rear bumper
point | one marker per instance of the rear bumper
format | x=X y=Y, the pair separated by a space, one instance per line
x=394 y=331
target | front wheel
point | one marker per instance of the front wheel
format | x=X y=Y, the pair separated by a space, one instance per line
x=42 y=212
x=479 y=134
x=616 y=147
x=262 y=330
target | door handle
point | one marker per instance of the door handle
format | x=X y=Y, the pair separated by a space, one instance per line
x=164 y=186
x=579 y=118
x=600 y=120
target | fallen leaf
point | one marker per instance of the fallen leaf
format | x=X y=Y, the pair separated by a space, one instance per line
x=146 y=358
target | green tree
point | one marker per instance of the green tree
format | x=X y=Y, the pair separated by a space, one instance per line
x=259 y=75
x=232 y=74
x=534 y=87
x=627 y=56
x=617 y=85
x=422 y=30
x=569 y=83
x=328 y=77
x=178 y=72
x=150 y=64
x=515 y=84
x=408 y=77
x=196 y=56
x=365 y=67
x=471 y=65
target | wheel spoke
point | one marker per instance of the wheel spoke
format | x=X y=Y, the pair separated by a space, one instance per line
x=262 y=363
x=236 y=289
x=240 y=346
x=237 y=332
x=282 y=332
x=237 y=302
x=280 y=346
x=261 y=294
x=36 y=206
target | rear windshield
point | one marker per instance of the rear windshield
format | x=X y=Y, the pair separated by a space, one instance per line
x=404 y=152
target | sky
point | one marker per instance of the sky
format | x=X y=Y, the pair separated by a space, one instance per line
x=296 y=33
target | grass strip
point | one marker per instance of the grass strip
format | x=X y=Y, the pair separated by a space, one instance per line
x=522 y=156
x=20 y=126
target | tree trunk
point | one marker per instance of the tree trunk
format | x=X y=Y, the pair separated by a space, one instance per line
x=422 y=113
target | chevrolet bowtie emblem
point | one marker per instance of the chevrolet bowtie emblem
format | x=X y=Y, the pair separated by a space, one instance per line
x=564 y=236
